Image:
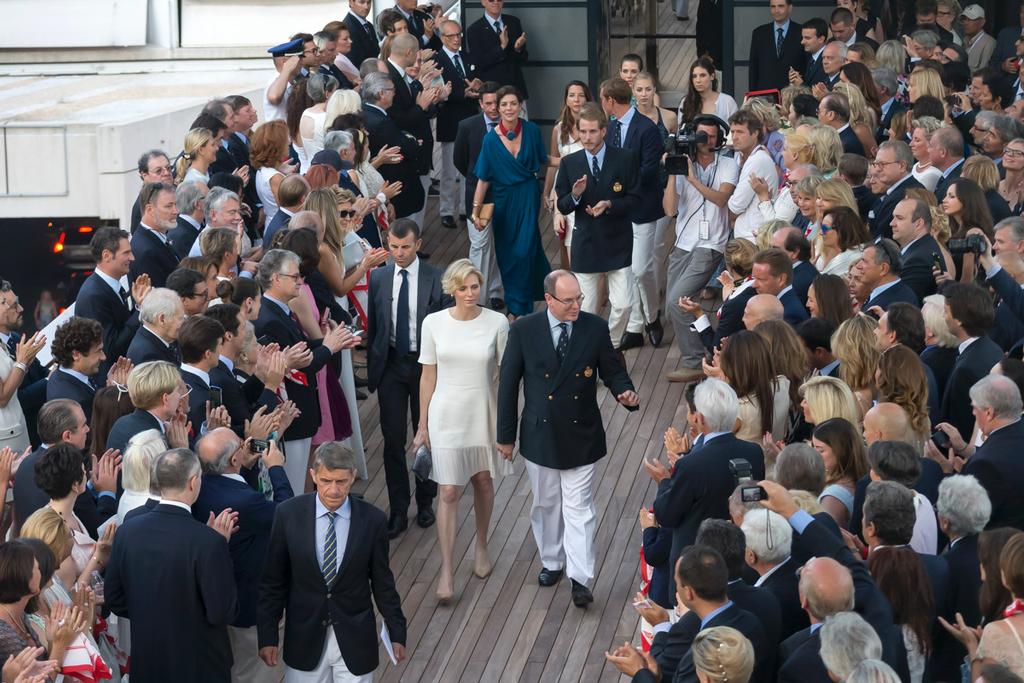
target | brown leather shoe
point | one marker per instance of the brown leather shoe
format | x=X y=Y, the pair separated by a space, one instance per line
x=685 y=375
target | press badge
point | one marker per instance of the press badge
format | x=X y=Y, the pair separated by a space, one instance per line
x=705 y=230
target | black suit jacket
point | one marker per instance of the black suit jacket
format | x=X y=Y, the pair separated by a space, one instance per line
x=880 y=216
x=494 y=63
x=404 y=111
x=146 y=347
x=730 y=316
x=784 y=585
x=384 y=132
x=974 y=363
x=98 y=301
x=338 y=74
x=273 y=325
x=999 y=467
x=172 y=576
x=603 y=243
x=700 y=487
x=469 y=138
x=152 y=257
x=429 y=298
x=882 y=134
x=643 y=138
x=768 y=68
x=457 y=107
x=292 y=582
x=801 y=661
x=946 y=181
x=182 y=237
x=941 y=360
x=851 y=143
x=241 y=400
x=899 y=292
x=865 y=199
x=561 y=425
x=794 y=312
x=129 y=425
x=279 y=221
x=197 y=398
x=803 y=277
x=364 y=43
x=64 y=385
x=916 y=271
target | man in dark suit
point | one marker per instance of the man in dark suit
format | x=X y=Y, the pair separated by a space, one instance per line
x=679 y=505
x=378 y=92
x=172 y=576
x=795 y=244
x=161 y=315
x=325 y=580
x=498 y=45
x=634 y=131
x=281 y=281
x=468 y=141
x=775 y=49
x=223 y=456
x=600 y=186
x=419 y=24
x=773 y=274
x=362 y=32
x=969 y=314
x=78 y=349
x=154 y=167
x=1006 y=40
x=946 y=152
x=200 y=340
x=893 y=164
x=777 y=570
x=557 y=354
x=878 y=270
x=105 y=300
x=459 y=70
x=401 y=295
x=834 y=112
x=888 y=91
x=188 y=199
x=156 y=390
x=153 y=254
x=911 y=228
x=813 y=37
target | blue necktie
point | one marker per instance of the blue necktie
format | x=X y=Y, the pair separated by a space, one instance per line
x=458 y=65
x=778 y=42
x=563 y=338
x=616 y=134
x=330 y=566
x=596 y=171
x=402 y=316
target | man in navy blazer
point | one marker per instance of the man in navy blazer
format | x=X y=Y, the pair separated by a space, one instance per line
x=172 y=576
x=632 y=130
x=189 y=199
x=776 y=568
x=793 y=242
x=105 y=300
x=326 y=568
x=834 y=112
x=200 y=341
x=360 y=29
x=78 y=349
x=920 y=253
x=223 y=456
x=878 y=271
x=378 y=92
x=773 y=274
x=770 y=60
x=946 y=152
x=153 y=253
x=893 y=163
x=161 y=315
x=498 y=44
x=157 y=391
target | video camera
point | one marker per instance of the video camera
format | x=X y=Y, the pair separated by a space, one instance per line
x=681 y=145
x=972 y=244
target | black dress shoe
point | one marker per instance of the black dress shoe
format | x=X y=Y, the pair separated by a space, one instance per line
x=497 y=304
x=655 y=332
x=448 y=222
x=434 y=189
x=549 y=577
x=581 y=595
x=631 y=340
x=425 y=517
x=423 y=255
x=396 y=525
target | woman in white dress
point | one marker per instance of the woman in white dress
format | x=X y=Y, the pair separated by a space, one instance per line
x=13 y=432
x=564 y=141
x=319 y=87
x=921 y=133
x=460 y=351
x=269 y=156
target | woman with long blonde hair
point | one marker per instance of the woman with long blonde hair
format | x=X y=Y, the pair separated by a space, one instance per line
x=198 y=152
x=828 y=148
x=862 y=118
x=901 y=380
x=925 y=82
x=853 y=344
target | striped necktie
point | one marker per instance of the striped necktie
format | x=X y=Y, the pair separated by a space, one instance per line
x=329 y=568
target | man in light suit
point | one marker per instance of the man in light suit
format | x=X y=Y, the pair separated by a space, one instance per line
x=325 y=580
x=172 y=576
x=600 y=185
x=401 y=295
x=558 y=354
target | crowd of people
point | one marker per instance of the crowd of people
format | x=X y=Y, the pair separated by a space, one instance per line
x=840 y=263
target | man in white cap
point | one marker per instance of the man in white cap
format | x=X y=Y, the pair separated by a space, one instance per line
x=978 y=44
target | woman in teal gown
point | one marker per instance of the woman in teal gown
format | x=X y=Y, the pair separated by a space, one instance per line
x=510 y=160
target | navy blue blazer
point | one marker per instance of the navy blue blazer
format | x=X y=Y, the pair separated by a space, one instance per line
x=965 y=574
x=152 y=257
x=801 y=661
x=364 y=42
x=769 y=69
x=784 y=585
x=814 y=73
x=279 y=222
x=98 y=301
x=916 y=270
x=183 y=236
x=146 y=347
x=197 y=398
x=865 y=199
x=943 y=185
x=248 y=547
x=469 y=138
x=64 y=385
x=384 y=132
x=457 y=107
x=730 y=320
x=657 y=547
x=794 y=312
x=851 y=143
x=803 y=277
x=898 y=292
x=643 y=137
x=927 y=485
x=172 y=576
x=504 y=66
x=880 y=216
x=974 y=363
x=129 y=425
x=241 y=400
x=999 y=467
x=93 y=510
x=941 y=361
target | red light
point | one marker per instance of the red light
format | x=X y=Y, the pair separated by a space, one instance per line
x=85 y=228
x=58 y=246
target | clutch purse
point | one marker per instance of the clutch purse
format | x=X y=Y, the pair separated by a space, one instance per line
x=486 y=213
x=423 y=463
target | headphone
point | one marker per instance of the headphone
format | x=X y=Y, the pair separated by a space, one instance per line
x=712 y=120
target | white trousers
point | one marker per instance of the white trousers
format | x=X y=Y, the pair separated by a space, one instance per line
x=564 y=519
x=248 y=667
x=330 y=669
x=453 y=186
x=296 y=463
x=481 y=253
x=647 y=301
x=420 y=215
x=620 y=298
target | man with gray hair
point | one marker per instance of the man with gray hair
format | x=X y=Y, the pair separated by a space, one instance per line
x=846 y=641
x=798 y=466
x=223 y=455
x=154 y=167
x=150 y=248
x=223 y=209
x=161 y=315
x=701 y=483
x=379 y=92
x=888 y=89
x=946 y=152
x=172 y=576
x=323 y=583
x=338 y=140
x=964 y=510
x=892 y=166
x=769 y=542
x=190 y=200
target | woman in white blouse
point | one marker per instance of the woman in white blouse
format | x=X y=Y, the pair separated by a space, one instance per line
x=923 y=171
x=703 y=96
x=843 y=236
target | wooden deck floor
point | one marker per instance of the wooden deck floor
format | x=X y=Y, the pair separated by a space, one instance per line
x=674 y=54
x=506 y=627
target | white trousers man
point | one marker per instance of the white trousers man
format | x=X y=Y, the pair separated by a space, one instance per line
x=296 y=463
x=330 y=669
x=420 y=215
x=481 y=253
x=564 y=519
x=620 y=298
x=248 y=667
x=647 y=301
x=453 y=186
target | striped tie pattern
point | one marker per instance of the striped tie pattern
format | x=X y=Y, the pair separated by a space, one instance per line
x=329 y=568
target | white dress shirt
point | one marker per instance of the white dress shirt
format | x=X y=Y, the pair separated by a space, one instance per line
x=743 y=201
x=396 y=285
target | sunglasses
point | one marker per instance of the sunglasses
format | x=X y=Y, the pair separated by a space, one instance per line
x=347 y=213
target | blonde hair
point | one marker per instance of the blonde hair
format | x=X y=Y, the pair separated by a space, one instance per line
x=789 y=94
x=891 y=54
x=324 y=203
x=799 y=146
x=827 y=147
x=838 y=192
x=828 y=397
x=148 y=383
x=930 y=124
x=765 y=232
x=806 y=501
x=981 y=170
x=195 y=140
x=739 y=256
x=139 y=455
x=768 y=113
x=456 y=273
x=933 y=310
x=723 y=654
x=927 y=82
x=854 y=345
x=339 y=103
x=860 y=112
x=807 y=187
x=46 y=525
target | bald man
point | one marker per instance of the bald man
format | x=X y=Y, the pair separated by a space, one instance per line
x=887 y=422
x=762 y=307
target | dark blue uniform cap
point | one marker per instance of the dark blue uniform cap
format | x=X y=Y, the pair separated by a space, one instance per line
x=292 y=47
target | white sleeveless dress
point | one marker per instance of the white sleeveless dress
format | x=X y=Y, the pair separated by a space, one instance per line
x=563 y=151
x=310 y=146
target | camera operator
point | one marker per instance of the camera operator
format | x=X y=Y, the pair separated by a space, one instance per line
x=698 y=199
